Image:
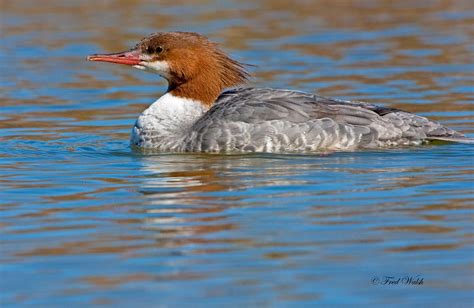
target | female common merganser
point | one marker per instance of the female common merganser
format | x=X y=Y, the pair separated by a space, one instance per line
x=195 y=116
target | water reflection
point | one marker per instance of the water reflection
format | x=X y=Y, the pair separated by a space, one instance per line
x=181 y=192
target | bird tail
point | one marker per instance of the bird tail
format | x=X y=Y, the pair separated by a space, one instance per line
x=458 y=139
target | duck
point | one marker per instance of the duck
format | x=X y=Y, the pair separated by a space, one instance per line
x=208 y=108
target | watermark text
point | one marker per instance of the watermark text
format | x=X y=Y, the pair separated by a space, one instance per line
x=393 y=280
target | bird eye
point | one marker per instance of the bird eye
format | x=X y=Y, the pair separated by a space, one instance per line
x=150 y=50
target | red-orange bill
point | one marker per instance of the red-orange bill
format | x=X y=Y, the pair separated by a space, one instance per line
x=130 y=57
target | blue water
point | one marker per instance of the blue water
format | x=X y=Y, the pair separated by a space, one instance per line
x=87 y=221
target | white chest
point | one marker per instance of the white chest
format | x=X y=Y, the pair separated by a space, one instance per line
x=166 y=122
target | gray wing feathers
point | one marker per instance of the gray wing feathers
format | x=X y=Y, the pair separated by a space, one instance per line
x=280 y=120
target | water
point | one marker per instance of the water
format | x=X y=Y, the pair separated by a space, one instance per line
x=87 y=221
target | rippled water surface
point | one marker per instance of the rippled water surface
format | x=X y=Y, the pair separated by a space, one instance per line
x=85 y=220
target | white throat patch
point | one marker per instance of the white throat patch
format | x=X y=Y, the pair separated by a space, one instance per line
x=160 y=67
